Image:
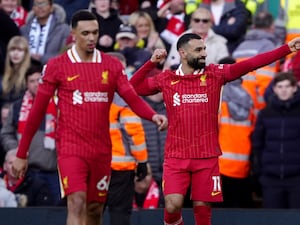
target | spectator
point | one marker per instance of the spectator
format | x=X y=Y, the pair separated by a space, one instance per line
x=201 y=24
x=254 y=7
x=4 y=116
x=259 y=39
x=276 y=140
x=155 y=141
x=127 y=45
x=46 y=30
x=191 y=6
x=236 y=122
x=147 y=193
x=293 y=67
x=148 y=36
x=109 y=23
x=172 y=20
x=42 y=154
x=149 y=7
x=287 y=14
x=7 y=198
x=11 y=29
x=289 y=19
x=15 y=10
x=129 y=156
x=230 y=20
x=33 y=190
x=127 y=7
x=71 y=6
x=17 y=61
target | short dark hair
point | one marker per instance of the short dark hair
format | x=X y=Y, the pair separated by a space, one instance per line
x=81 y=15
x=185 y=38
x=263 y=20
x=35 y=67
x=281 y=76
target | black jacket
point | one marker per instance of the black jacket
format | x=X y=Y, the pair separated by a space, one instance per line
x=36 y=191
x=108 y=26
x=276 y=138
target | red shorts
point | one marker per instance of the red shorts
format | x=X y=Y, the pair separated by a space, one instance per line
x=202 y=175
x=87 y=175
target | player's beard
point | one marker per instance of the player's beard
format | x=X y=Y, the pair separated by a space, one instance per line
x=195 y=63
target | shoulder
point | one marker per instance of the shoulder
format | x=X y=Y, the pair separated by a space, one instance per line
x=55 y=63
x=59 y=13
x=62 y=58
x=166 y=75
x=216 y=38
x=217 y=71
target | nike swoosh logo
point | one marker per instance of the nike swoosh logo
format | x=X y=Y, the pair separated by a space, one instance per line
x=72 y=77
x=174 y=82
x=214 y=193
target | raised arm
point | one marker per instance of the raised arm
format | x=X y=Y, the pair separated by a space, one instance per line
x=140 y=82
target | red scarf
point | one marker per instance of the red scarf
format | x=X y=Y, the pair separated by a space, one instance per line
x=152 y=197
x=19 y=16
x=49 y=140
x=12 y=187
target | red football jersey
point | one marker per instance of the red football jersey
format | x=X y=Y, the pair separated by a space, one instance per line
x=85 y=92
x=192 y=102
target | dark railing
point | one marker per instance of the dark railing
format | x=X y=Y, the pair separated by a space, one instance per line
x=57 y=216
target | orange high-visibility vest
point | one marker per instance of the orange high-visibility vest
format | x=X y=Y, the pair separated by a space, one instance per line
x=234 y=138
x=256 y=83
x=128 y=138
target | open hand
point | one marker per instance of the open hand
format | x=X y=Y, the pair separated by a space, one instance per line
x=161 y=121
x=19 y=167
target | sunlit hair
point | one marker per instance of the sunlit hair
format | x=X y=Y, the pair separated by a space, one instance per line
x=14 y=75
x=133 y=18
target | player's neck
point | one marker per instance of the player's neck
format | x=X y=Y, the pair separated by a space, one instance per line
x=187 y=69
x=85 y=56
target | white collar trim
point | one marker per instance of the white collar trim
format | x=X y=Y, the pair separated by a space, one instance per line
x=180 y=72
x=74 y=57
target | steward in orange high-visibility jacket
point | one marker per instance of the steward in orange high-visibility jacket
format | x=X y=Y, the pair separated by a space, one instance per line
x=258 y=40
x=127 y=136
x=236 y=122
x=129 y=160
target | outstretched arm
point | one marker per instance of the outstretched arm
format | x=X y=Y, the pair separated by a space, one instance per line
x=140 y=82
x=241 y=68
